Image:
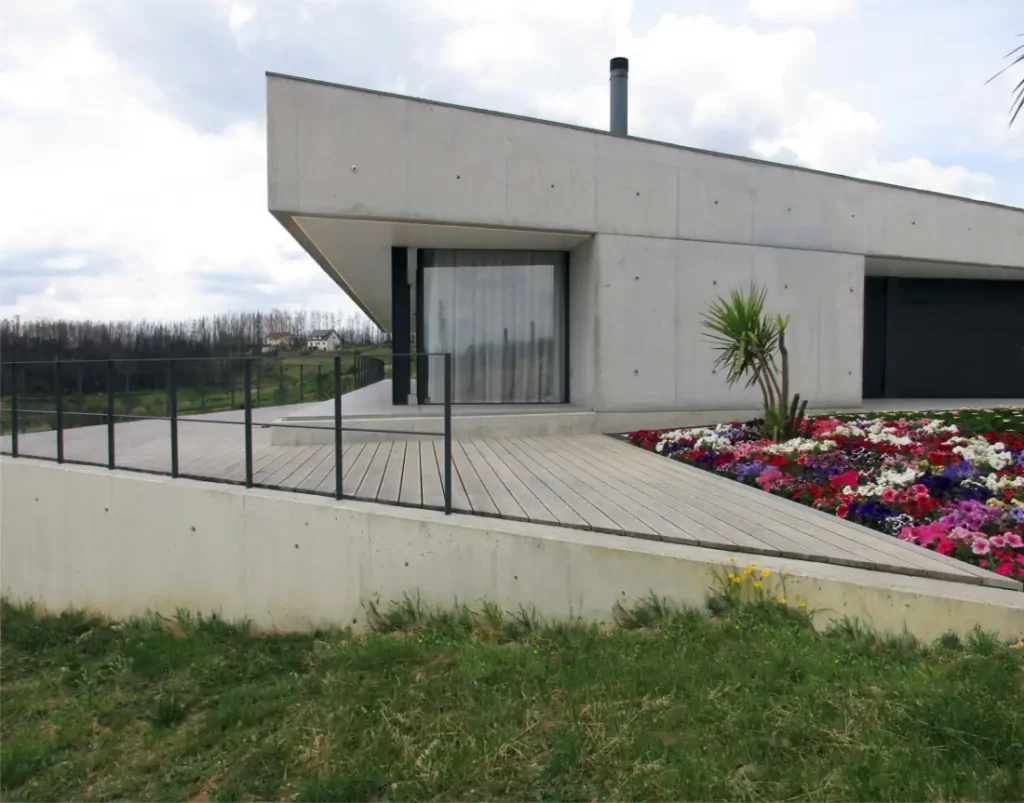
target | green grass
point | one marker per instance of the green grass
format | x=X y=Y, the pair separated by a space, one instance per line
x=748 y=704
x=999 y=419
x=275 y=381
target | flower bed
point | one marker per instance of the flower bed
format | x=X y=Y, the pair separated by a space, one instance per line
x=951 y=481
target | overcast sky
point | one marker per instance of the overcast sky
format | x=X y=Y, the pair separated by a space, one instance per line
x=132 y=139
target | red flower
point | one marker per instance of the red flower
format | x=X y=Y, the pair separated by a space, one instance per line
x=842 y=511
x=851 y=478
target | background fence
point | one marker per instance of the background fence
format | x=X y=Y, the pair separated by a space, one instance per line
x=204 y=418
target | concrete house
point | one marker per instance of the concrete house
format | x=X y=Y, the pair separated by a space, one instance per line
x=323 y=340
x=564 y=265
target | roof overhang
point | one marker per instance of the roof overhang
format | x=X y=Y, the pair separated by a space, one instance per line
x=356 y=254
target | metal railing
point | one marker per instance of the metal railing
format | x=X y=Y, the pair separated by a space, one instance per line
x=20 y=400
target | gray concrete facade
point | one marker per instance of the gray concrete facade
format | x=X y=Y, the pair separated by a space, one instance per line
x=654 y=232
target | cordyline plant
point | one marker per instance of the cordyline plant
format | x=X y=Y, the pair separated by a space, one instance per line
x=747 y=340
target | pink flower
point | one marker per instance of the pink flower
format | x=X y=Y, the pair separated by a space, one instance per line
x=889 y=495
x=997 y=541
x=946 y=547
x=1014 y=540
x=980 y=546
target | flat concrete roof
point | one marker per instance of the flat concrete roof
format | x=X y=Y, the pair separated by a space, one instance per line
x=737 y=157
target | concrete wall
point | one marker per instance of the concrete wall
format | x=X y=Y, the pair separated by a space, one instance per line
x=421 y=161
x=643 y=298
x=122 y=544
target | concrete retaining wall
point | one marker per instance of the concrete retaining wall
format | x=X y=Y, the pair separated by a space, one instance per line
x=122 y=544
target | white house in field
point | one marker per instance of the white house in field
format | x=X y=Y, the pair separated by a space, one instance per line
x=323 y=340
x=560 y=264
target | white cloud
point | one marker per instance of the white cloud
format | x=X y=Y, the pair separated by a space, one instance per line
x=801 y=11
x=238 y=16
x=831 y=135
x=149 y=216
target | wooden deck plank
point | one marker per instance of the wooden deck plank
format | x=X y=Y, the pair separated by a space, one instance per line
x=585 y=487
x=391 y=484
x=412 y=476
x=827 y=530
x=717 y=499
x=502 y=465
x=356 y=464
x=720 y=518
x=507 y=505
x=433 y=483
x=294 y=480
x=321 y=479
x=460 y=499
x=370 y=484
x=479 y=500
x=665 y=520
x=280 y=456
x=300 y=457
x=593 y=517
x=709 y=528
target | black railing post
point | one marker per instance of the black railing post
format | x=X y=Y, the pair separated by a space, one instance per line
x=301 y=380
x=319 y=379
x=14 y=410
x=247 y=401
x=338 y=477
x=110 y=413
x=172 y=409
x=259 y=384
x=280 y=383
x=58 y=384
x=447 y=432
x=204 y=374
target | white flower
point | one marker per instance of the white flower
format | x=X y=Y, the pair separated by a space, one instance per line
x=979 y=450
x=995 y=483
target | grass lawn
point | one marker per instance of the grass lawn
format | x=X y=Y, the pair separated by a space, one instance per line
x=748 y=704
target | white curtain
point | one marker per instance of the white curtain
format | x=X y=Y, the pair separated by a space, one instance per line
x=501 y=314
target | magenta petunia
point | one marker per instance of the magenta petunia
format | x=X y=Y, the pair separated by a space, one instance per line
x=981 y=546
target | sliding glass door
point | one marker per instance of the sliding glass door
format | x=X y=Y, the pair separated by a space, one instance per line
x=502 y=316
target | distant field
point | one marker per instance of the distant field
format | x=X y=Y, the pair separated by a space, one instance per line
x=276 y=380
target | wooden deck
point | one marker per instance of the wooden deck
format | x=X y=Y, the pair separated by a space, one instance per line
x=585 y=481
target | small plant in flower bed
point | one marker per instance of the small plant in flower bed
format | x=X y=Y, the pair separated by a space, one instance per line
x=952 y=482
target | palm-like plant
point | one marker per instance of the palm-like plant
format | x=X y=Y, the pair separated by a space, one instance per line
x=747 y=340
x=1016 y=57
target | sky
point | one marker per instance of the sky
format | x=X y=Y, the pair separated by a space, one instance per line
x=132 y=132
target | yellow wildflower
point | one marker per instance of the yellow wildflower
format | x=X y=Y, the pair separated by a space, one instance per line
x=732 y=560
x=765 y=573
x=757 y=584
x=737 y=579
x=748 y=571
x=782 y=600
x=802 y=604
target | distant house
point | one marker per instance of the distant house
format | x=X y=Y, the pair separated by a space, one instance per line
x=323 y=340
x=277 y=340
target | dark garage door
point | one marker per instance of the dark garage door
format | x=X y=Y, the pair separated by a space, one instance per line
x=943 y=338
